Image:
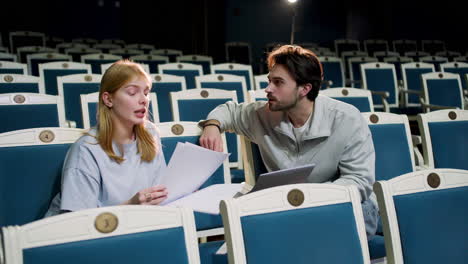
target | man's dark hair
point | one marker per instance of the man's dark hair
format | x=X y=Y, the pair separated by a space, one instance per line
x=301 y=63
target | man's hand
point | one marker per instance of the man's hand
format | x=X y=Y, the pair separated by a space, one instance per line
x=211 y=139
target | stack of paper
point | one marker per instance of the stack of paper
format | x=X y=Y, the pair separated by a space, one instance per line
x=207 y=200
x=190 y=166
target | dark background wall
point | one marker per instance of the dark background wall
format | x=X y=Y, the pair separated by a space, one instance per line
x=203 y=26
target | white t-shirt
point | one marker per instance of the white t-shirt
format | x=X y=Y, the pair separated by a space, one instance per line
x=91 y=179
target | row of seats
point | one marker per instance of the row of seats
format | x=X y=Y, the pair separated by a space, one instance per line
x=250 y=222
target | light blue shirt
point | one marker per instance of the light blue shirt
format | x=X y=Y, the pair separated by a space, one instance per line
x=91 y=179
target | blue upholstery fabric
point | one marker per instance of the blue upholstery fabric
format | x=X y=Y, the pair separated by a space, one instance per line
x=163 y=90
x=361 y=103
x=72 y=100
x=96 y=65
x=332 y=72
x=202 y=221
x=208 y=253
x=356 y=65
x=153 y=64
x=461 y=72
x=14 y=117
x=449 y=144
x=206 y=65
x=433 y=226
x=204 y=107
x=11 y=71
x=376 y=247
x=50 y=78
x=19 y=87
x=29 y=179
x=381 y=80
x=324 y=234
x=398 y=71
x=263 y=85
x=231 y=86
x=188 y=74
x=413 y=78
x=237 y=176
x=160 y=246
x=92 y=110
x=35 y=65
x=244 y=73
x=445 y=92
x=392 y=151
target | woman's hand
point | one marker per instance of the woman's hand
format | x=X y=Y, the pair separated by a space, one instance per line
x=149 y=196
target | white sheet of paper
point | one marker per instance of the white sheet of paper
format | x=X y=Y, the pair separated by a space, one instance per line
x=222 y=249
x=190 y=166
x=207 y=199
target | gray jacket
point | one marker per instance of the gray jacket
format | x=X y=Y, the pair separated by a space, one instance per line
x=338 y=141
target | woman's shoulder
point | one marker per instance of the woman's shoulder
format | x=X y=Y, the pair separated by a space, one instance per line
x=152 y=128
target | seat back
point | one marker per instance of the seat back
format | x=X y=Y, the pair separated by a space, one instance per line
x=18 y=83
x=76 y=52
x=89 y=108
x=354 y=66
x=416 y=55
x=5 y=56
x=23 y=52
x=187 y=70
x=25 y=38
x=139 y=233
x=375 y=45
x=163 y=85
x=8 y=67
x=153 y=61
x=432 y=46
x=412 y=80
x=334 y=72
x=48 y=73
x=30 y=171
x=35 y=59
x=126 y=53
x=444 y=138
x=29 y=110
x=381 y=77
x=257 y=95
x=204 y=101
x=261 y=81
x=424 y=216
x=204 y=61
x=71 y=87
x=380 y=55
x=393 y=145
x=398 y=61
x=236 y=69
x=404 y=45
x=225 y=82
x=460 y=68
x=172 y=54
x=106 y=47
x=300 y=221
x=345 y=45
x=442 y=89
x=97 y=59
x=436 y=60
x=361 y=99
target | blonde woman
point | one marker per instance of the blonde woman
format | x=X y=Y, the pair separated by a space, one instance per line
x=120 y=160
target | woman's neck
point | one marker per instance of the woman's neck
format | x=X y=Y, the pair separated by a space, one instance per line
x=123 y=134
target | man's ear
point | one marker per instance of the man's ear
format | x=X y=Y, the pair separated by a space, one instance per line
x=107 y=99
x=305 y=89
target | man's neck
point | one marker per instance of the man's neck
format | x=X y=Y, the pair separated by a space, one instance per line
x=301 y=112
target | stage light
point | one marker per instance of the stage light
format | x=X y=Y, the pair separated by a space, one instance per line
x=292 y=3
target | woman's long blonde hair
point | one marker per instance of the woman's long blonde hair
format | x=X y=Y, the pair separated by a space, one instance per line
x=116 y=76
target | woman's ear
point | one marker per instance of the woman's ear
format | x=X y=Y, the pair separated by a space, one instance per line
x=107 y=99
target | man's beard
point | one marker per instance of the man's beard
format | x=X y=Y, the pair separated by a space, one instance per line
x=287 y=107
